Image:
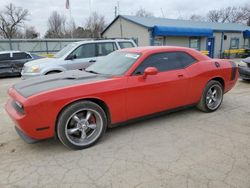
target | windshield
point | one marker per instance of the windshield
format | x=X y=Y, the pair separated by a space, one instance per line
x=65 y=50
x=116 y=63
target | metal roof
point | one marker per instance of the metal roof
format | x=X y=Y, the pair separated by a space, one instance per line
x=150 y=22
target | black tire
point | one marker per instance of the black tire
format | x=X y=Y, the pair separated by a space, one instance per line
x=68 y=122
x=204 y=104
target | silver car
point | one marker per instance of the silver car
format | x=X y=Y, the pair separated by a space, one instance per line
x=77 y=55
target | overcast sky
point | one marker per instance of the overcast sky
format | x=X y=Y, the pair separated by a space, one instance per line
x=40 y=9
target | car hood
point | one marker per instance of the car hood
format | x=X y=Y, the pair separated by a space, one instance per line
x=246 y=60
x=41 y=84
x=42 y=61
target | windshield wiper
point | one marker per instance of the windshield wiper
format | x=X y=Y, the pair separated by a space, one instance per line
x=91 y=71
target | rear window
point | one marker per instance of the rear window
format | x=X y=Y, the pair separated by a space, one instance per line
x=21 y=55
x=126 y=45
x=4 y=57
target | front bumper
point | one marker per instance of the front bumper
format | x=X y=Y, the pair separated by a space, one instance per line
x=26 y=75
x=18 y=119
x=244 y=72
x=25 y=137
x=29 y=125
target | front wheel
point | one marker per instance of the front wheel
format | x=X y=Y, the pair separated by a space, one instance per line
x=212 y=97
x=81 y=125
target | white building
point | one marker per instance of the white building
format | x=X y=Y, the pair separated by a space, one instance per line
x=204 y=36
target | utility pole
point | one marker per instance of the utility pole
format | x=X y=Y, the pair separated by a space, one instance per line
x=90 y=7
x=116 y=12
x=118 y=8
x=163 y=15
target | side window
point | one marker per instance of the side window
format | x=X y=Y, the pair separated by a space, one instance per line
x=162 y=61
x=4 y=57
x=194 y=43
x=185 y=59
x=234 y=43
x=21 y=55
x=85 y=51
x=126 y=45
x=105 y=48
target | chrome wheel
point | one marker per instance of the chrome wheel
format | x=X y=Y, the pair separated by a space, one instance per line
x=214 y=97
x=84 y=127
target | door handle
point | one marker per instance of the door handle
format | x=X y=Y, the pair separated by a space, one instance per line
x=180 y=75
x=92 y=61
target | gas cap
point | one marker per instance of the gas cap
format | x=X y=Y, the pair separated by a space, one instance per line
x=217 y=64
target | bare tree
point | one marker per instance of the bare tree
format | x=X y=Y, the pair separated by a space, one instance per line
x=248 y=21
x=213 y=16
x=80 y=32
x=240 y=14
x=96 y=24
x=11 y=19
x=229 y=14
x=143 y=13
x=77 y=32
x=196 y=17
x=56 y=26
x=30 y=33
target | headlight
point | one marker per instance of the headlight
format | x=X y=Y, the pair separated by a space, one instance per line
x=33 y=68
x=18 y=106
x=242 y=64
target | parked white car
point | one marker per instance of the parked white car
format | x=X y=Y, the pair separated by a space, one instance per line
x=76 y=55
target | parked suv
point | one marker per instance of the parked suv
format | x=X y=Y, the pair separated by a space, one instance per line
x=11 y=62
x=76 y=55
x=244 y=69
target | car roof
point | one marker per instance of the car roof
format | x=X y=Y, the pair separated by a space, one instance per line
x=156 y=49
x=10 y=51
x=99 y=41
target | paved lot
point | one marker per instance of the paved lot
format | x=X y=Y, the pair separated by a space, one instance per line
x=183 y=149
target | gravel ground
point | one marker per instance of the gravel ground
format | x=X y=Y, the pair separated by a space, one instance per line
x=183 y=149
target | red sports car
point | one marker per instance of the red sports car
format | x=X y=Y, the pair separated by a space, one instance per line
x=77 y=106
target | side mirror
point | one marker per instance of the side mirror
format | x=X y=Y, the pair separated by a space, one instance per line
x=150 y=71
x=71 y=57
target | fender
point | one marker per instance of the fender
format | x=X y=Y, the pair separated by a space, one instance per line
x=57 y=68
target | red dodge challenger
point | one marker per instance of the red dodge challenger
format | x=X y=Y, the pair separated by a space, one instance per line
x=77 y=106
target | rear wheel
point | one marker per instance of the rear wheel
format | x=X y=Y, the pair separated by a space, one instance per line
x=212 y=97
x=81 y=125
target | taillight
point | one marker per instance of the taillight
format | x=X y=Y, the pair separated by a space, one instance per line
x=234 y=70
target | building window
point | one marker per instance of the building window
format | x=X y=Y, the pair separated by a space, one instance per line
x=158 y=41
x=194 y=43
x=234 y=44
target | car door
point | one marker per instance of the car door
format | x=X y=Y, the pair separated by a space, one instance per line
x=18 y=60
x=165 y=90
x=5 y=63
x=83 y=56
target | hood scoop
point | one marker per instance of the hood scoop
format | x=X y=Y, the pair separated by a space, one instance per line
x=37 y=85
